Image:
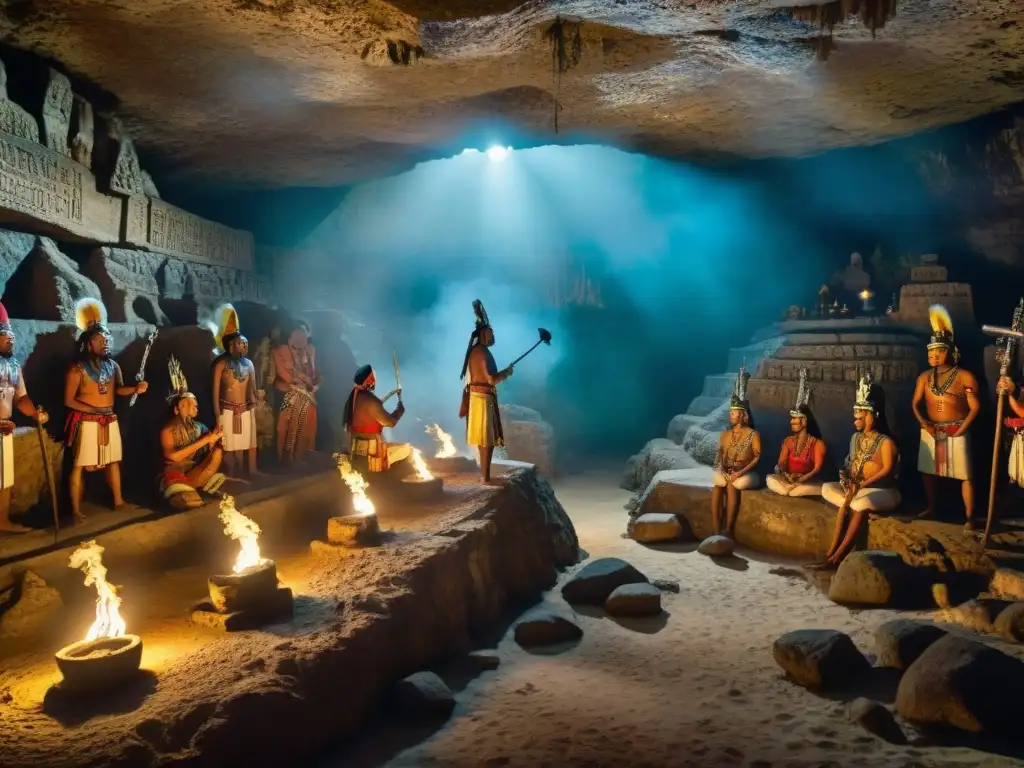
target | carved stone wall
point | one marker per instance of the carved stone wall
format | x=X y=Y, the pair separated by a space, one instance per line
x=915 y=298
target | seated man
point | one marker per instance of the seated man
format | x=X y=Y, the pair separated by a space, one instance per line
x=739 y=450
x=868 y=484
x=192 y=454
x=365 y=419
x=803 y=453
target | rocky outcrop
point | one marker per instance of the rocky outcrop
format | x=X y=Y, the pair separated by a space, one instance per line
x=528 y=438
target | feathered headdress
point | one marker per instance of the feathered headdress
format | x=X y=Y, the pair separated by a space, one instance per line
x=90 y=315
x=482 y=322
x=865 y=400
x=942 y=330
x=227 y=326
x=738 y=402
x=179 y=384
x=803 y=397
x=5 y=320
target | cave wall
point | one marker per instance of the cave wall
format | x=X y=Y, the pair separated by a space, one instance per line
x=80 y=217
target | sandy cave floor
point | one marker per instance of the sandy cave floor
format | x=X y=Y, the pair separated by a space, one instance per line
x=699 y=688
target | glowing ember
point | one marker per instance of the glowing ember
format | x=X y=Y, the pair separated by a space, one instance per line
x=89 y=557
x=421 y=466
x=357 y=485
x=445 y=446
x=240 y=527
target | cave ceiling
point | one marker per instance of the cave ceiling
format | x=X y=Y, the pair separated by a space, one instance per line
x=281 y=93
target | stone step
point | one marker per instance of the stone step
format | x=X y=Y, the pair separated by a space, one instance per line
x=720 y=385
x=752 y=353
x=680 y=424
x=840 y=370
x=848 y=352
x=702 y=405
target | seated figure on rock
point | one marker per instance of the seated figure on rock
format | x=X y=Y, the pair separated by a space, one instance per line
x=365 y=419
x=803 y=453
x=192 y=453
x=739 y=450
x=868 y=483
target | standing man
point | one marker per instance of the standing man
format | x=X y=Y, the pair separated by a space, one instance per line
x=234 y=394
x=365 y=419
x=950 y=396
x=297 y=382
x=868 y=482
x=12 y=395
x=739 y=450
x=90 y=385
x=480 y=396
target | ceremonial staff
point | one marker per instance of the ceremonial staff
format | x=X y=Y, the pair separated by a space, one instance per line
x=142 y=366
x=48 y=471
x=1008 y=339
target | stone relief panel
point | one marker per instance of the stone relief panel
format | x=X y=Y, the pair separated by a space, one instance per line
x=14 y=249
x=83 y=136
x=915 y=298
x=126 y=177
x=46 y=285
x=186 y=236
x=43 y=186
x=13 y=119
x=128 y=284
x=838 y=370
x=57 y=103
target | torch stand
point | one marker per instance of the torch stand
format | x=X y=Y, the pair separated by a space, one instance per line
x=246 y=600
x=94 y=666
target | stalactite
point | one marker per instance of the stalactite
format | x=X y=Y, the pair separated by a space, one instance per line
x=872 y=13
x=565 y=54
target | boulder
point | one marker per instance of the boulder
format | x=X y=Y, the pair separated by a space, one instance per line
x=529 y=439
x=659 y=454
x=658 y=527
x=1007 y=583
x=900 y=642
x=545 y=628
x=484 y=660
x=35 y=609
x=1010 y=622
x=423 y=694
x=596 y=580
x=634 y=600
x=819 y=659
x=978 y=615
x=876 y=719
x=717 y=546
x=964 y=684
x=873 y=578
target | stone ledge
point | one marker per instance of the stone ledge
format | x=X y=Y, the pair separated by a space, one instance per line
x=363 y=623
x=802 y=528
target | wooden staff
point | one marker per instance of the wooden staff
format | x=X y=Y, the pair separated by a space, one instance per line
x=48 y=471
x=1009 y=337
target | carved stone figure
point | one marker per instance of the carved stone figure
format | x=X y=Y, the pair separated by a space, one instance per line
x=83 y=135
x=57 y=113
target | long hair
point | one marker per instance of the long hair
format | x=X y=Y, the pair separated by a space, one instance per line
x=474 y=339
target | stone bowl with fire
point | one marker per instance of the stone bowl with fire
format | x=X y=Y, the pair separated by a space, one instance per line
x=249 y=596
x=108 y=656
x=361 y=528
x=447 y=460
x=421 y=485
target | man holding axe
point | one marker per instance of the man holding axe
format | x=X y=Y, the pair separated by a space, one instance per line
x=480 y=396
x=12 y=395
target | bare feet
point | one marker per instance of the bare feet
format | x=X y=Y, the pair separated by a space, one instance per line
x=78 y=517
x=12 y=529
x=969 y=526
x=496 y=482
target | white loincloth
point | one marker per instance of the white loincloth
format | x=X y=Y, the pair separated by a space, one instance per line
x=7 y=459
x=957 y=459
x=244 y=440
x=866 y=499
x=744 y=483
x=89 y=452
x=776 y=485
x=480 y=421
x=1015 y=465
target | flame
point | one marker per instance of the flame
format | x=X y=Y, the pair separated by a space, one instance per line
x=357 y=485
x=240 y=527
x=866 y=294
x=89 y=557
x=446 y=447
x=421 y=466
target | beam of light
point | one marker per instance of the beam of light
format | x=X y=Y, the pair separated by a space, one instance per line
x=498 y=154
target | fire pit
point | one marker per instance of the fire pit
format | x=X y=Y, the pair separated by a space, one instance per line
x=249 y=597
x=108 y=656
x=423 y=486
x=447 y=458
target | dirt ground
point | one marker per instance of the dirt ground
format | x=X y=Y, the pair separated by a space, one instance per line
x=698 y=687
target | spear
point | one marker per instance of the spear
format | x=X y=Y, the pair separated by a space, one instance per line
x=142 y=366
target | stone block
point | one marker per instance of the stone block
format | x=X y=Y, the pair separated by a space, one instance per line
x=44 y=190
x=658 y=526
x=276 y=610
x=1007 y=583
x=57 y=101
x=186 y=236
x=915 y=298
x=928 y=273
x=47 y=284
x=83 y=132
x=13 y=118
x=31 y=487
x=127 y=284
x=532 y=442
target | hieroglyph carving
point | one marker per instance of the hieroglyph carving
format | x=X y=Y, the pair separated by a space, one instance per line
x=849 y=351
x=57 y=112
x=929 y=273
x=838 y=371
x=915 y=298
x=179 y=233
x=127 y=175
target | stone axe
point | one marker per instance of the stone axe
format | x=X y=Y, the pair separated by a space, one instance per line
x=545 y=338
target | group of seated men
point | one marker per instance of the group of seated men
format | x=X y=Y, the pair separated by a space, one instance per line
x=867 y=483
